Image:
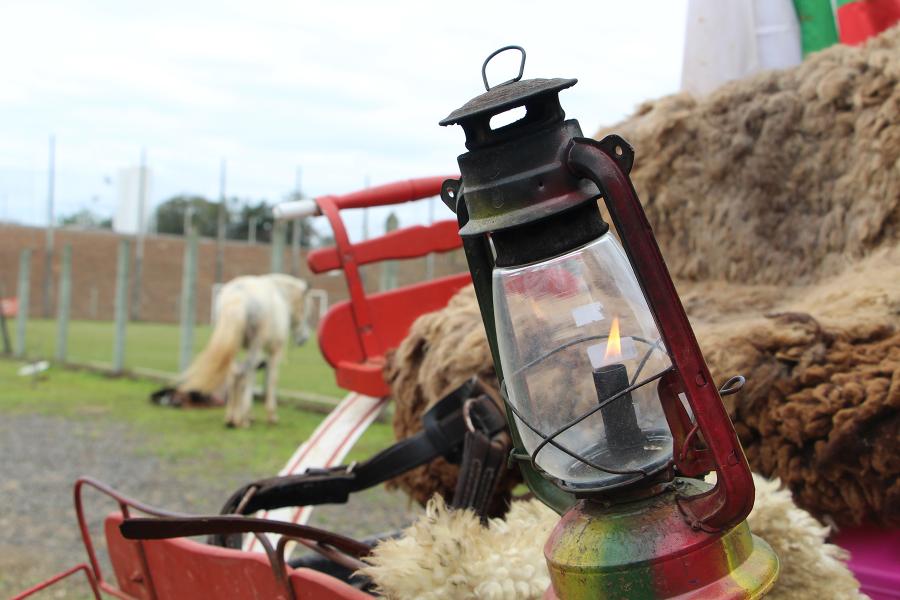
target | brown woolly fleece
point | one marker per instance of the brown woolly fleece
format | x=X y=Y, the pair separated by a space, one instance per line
x=776 y=203
x=779 y=178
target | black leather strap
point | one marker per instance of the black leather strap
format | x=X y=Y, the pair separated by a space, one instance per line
x=484 y=460
x=443 y=434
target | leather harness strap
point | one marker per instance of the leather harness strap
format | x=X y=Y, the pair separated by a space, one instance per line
x=445 y=427
x=483 y=462
x=462 y=428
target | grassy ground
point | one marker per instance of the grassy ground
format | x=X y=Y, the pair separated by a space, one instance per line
x=155 y=346
x=194 y=438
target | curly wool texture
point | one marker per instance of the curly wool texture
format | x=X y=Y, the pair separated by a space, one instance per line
x=779 y=178
x=821 y=408
x=448 y=554
x=776 y=195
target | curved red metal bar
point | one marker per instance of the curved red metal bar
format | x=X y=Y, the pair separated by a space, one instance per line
x=355 y=335
x=730 y=501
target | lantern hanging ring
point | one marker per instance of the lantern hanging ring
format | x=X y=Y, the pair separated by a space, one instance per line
x=487 y=86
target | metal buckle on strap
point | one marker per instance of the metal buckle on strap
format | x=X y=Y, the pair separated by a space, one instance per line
x=467 y=415
x=477 y=418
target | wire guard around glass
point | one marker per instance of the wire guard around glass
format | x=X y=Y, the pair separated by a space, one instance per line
x=550 y=439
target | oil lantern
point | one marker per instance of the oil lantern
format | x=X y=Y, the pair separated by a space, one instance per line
x=612 y=409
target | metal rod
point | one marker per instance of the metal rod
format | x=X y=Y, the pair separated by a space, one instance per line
x=121 y=305
x=296 y=230
x=94 y=302
x=296 y=234
x=277 y=262
x=4 y=332
x=63 y=304
x=220 y=226
x=251 y=230
x=389 y=267
x=46 y=300
x=138 y=280
x=188 y=300
x=22 y=296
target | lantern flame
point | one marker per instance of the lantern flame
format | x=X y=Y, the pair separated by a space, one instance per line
x=613 y=343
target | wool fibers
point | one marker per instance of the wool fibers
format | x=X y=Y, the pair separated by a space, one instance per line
x=779 y=178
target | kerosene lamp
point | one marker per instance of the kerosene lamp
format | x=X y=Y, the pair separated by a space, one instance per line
x=611 y=406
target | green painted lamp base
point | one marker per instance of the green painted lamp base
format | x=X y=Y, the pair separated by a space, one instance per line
x=646 y=550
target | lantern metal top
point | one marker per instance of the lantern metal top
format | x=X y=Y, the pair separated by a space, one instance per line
x=509 y=94
x=505 y=96
x=515 y=174
x=540 y=97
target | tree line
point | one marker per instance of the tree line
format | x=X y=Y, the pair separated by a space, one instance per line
x=244 y=220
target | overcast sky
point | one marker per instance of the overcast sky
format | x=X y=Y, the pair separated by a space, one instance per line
x=347 y=90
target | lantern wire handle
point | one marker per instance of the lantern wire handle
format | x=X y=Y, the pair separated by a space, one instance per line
x=487 y=86
x=733 y=385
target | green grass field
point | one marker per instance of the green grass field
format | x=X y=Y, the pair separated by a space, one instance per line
x=155 y=346
x=188 y=437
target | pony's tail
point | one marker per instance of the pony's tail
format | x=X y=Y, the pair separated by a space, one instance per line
x=209 y=370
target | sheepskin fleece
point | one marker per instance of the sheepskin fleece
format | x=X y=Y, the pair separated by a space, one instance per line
x=776 y=202
x=779 y=178
x=449 y=555
x=821 y=408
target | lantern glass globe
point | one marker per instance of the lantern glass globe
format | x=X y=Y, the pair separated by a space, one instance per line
x=573 y=333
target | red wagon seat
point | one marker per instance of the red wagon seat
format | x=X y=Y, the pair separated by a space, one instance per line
x=394 y=311
x=355 y=335
x=189 y=569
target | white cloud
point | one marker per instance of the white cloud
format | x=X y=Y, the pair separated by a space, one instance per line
x=346 y=89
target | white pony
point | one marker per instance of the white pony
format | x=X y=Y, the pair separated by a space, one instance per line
x=257 y=313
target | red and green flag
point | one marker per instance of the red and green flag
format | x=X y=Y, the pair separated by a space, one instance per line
x=827 y=22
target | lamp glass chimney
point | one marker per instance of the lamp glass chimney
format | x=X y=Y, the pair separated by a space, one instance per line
x=574 y=333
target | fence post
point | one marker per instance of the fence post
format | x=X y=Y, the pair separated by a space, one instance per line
x=94 y=302
x=4 y=332
x=188 y=301
x=121 y=306
x=278 y=234
x=22 y=293
x=389 y=267
x=251 y=230
x=296 y=235
x=63 y=303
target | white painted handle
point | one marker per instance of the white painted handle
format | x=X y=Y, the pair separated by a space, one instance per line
x=295 y=210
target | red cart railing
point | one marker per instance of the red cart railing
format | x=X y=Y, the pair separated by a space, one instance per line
x=355 y=334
